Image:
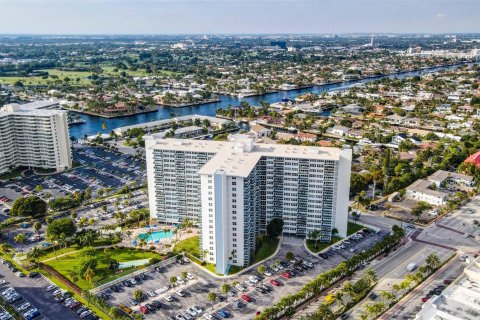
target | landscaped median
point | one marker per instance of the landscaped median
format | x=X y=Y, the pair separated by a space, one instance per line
x=288 y=304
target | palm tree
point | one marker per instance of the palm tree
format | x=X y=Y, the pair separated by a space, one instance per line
x=314 y=235
x=338 y=297
x=212 y=297
x=34 y=254
x=387 y=297
x=371 y=276
x=129 y=234
x=89 y=274
x=20 y=238
x=37 y=226
x=432 y=261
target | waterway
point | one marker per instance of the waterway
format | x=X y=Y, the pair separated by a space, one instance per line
x=94 y=124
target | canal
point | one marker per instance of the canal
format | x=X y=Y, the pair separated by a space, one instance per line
x=94 y=124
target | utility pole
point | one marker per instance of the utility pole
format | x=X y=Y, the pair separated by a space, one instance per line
x=374 y=185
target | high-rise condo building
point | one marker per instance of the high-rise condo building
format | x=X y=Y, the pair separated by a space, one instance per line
x=234 y=189
x=31 y=136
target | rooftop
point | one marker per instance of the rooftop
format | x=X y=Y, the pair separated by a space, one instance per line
x=239 y=157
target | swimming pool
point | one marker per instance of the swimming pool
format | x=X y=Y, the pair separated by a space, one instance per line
x=156 y=235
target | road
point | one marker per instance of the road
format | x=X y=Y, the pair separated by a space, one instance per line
x=453 y=233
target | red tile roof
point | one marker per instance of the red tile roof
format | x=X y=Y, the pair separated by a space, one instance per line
x=474 y=158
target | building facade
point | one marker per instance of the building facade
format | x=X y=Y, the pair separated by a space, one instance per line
x=234 y=189
x=34 y=137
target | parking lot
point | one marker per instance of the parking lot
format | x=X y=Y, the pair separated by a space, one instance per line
x=99 y=169
x=30 y=298
x=250 y=292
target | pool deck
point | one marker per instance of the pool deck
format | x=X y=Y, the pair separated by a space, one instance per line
x=164 y=244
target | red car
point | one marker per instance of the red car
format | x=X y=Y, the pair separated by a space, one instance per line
x=447 y=281
x=275 y=282
x=246 y=298
x=424 y=299
x=144 y=309
x=286 y=275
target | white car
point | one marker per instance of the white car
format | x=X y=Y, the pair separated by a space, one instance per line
x=180 y=293
x=168 y=298
x=190 y=276
x=151 y=293
x=24 y=306
x=208 y=317
x=186 y=315
x=197 y=309
x=240 y=287
x=192 y=312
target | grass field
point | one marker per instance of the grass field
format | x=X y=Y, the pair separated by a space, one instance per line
x=353 y=227
x=266 y=250
x=73 y=75
x=190 y=245
x=82 y=76
x=69 y=263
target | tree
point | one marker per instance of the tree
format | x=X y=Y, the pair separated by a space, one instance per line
x=225 y=288
x=275 y=227
x=212 y=297
x=34 y=254
x=37 y=226
x=173 y=280
x=116 y=312
x=420 y=208
x=261 y=269
x=61 y=226
x=89 y=274
x=387 y=297
x=314 y=235
x=20 y=238
x=432 y=261
x=31 y=206
x=289 y=256
x=138 y=295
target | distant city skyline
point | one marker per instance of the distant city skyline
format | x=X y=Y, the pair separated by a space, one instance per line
x=238 y=16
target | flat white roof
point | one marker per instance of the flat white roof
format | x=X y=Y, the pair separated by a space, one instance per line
x=235 y=159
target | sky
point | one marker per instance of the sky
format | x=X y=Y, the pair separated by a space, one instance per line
x=238 y=16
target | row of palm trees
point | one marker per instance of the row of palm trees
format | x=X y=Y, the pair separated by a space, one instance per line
x=348 y=296
x=323 y=281
x=374 y=310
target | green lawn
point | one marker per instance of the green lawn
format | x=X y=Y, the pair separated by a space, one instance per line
x=321 y=245
x=190 y=245
x=12 y=174
x=68 y=264
x=266 y=250
x=73 y=75
x=353 y=227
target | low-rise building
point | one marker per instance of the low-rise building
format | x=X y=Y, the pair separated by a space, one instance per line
x=459 y=301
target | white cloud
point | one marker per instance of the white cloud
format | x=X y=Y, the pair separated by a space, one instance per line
x=440 y=15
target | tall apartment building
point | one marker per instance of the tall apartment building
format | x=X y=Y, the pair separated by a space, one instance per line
x=235 y=188
x=32 y=136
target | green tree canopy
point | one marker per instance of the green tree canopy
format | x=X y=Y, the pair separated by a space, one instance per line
x=275 y=227
x=64 y=226
x=30 y=206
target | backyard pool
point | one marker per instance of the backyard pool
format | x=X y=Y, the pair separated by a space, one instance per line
x=155 y=236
